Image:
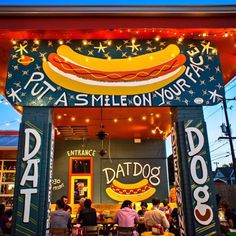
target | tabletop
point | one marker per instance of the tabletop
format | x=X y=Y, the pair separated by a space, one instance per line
x=149 y=233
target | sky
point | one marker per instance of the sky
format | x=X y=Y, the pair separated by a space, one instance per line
x=120 y=2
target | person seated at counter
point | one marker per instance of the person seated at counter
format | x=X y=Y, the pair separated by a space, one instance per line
x=141 y=226
x=155 y=216
x=226 y=217
x=143 y=209
x=6 y=223
x=81 y=205
x=126 y=216
x=166 y=208
x=66 y=207
x=88 y=215
x=60 y=218
x=174 y=222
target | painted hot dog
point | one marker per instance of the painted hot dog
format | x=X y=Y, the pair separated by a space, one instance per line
x=141 y=74
x=134 y=192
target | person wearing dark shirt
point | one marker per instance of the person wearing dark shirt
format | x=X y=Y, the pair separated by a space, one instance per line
x=66 y=207
x=174 y=222
x=88 y=215
x=2 y=211
x=143 y=209
x=141 y=226
x=7 y=222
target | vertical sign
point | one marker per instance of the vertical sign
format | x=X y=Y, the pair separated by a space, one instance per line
x=199 y=167
x=34 y=170
x=177 y=174
x=194 y=183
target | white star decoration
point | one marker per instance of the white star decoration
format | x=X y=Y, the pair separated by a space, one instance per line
x=133 y=46
x=214 y=95
x=206 y=47
x=14 y=95
x=212 y=78
x=101 y=48
x=217 y=69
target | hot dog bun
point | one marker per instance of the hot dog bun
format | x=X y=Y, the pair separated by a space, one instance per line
x=91 y=75
x=134 y=192
x=139 y=63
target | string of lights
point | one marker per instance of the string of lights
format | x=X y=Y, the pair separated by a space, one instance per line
x=152 y=118
x=8 y=123
x=141 y=33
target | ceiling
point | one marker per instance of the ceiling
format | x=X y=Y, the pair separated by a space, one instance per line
x=80 y=123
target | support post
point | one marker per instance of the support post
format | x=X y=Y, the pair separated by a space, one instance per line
x=193 y=174
x=33 y=173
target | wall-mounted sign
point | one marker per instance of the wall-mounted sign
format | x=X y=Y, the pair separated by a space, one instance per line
x=81 y=153
x=57 y=184
x=99 y=73
x=147 y=179
x=199 y=165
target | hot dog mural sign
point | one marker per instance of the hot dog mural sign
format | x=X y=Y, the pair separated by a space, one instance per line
x=132 y=181
x=103 y=73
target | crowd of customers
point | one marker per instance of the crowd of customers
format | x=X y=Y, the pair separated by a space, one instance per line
x=126 y=216
x=143 y=220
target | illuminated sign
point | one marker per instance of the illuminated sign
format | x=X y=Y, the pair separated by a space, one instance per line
x=124 y=73
x=81 y=153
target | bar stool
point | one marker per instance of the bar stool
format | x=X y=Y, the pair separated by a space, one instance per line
x=125 y=231
x=58 y=231
x=90 y=230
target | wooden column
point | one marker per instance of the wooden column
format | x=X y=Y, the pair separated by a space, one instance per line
x=33 y=172
x=193 y=174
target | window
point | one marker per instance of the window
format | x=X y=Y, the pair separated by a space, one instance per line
x=7 y=181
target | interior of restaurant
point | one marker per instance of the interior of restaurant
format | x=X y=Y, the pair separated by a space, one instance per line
x=130 y=135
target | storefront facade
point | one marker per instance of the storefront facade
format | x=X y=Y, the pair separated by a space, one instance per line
x=111 y=44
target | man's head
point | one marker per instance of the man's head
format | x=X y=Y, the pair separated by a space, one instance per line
x=156 y=201
x=87 y=203
x=59 y=204
x=166 y=202
x=81 y=201
x=144 y=205
x=64 y=199
x=126 y=203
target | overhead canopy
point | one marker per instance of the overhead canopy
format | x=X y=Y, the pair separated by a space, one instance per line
x=213 y=23
x=8 y=140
